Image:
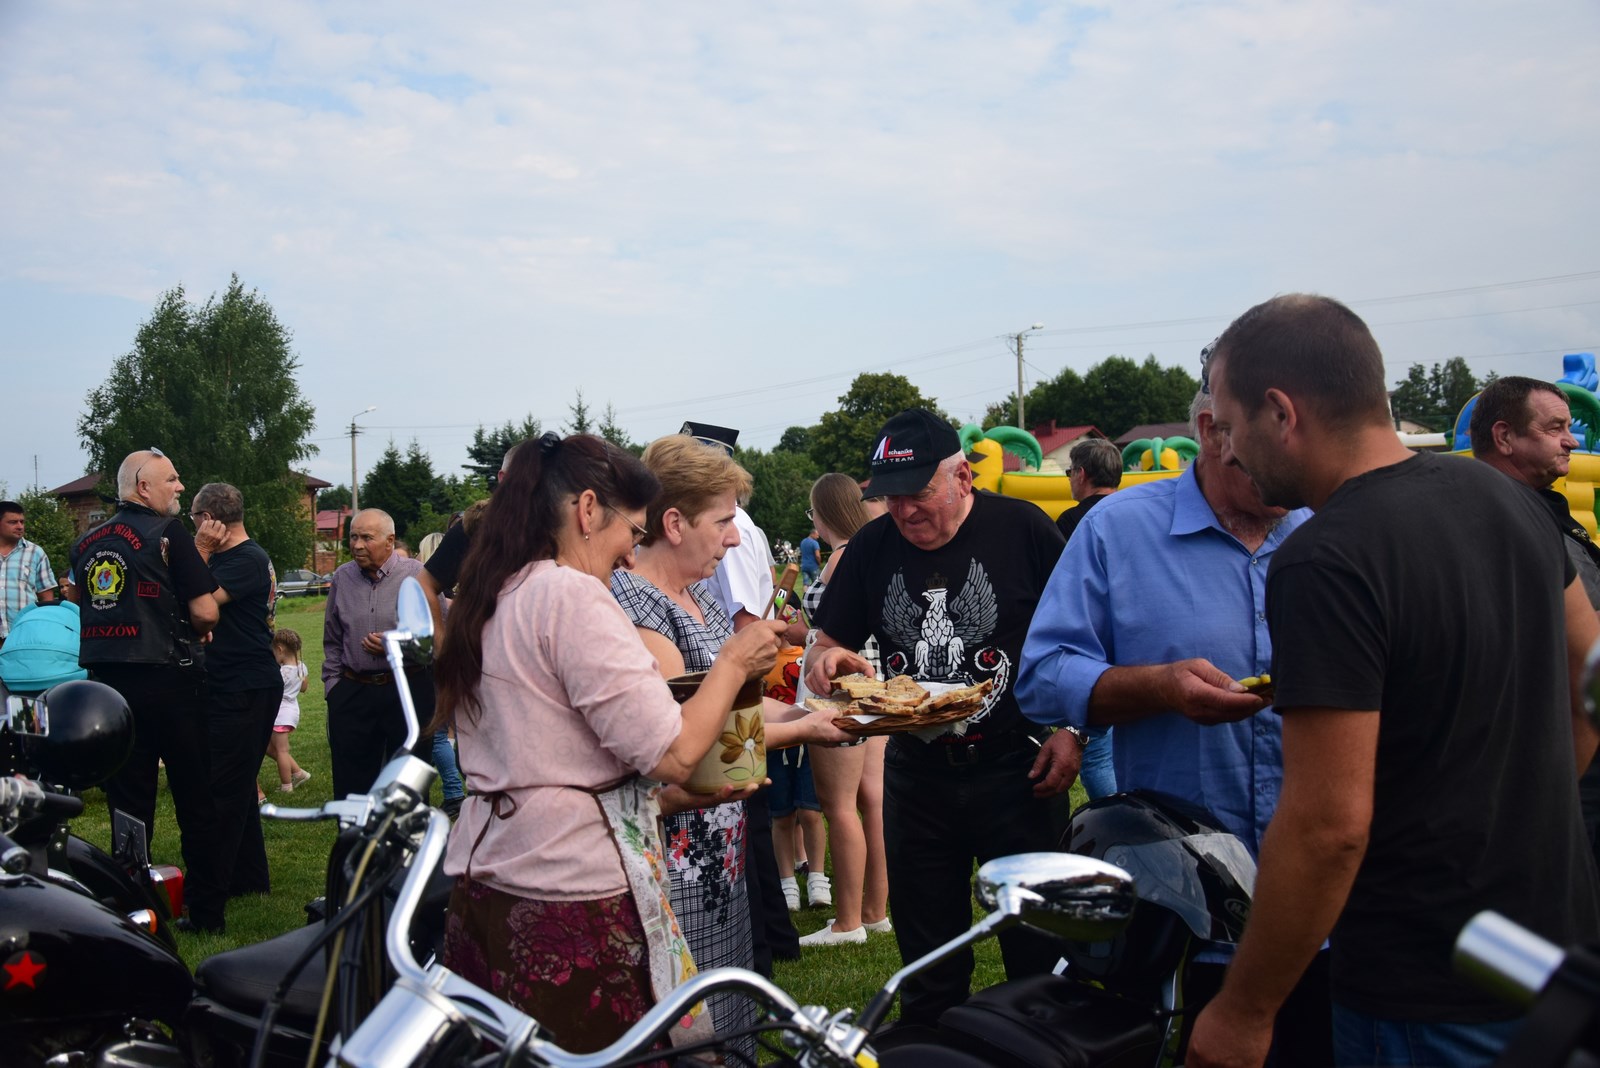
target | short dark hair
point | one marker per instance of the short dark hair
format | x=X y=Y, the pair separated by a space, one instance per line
x=7 y=507
x=1312 y=347
x=1505 y=400
x=1099 y=460
x=220 y=501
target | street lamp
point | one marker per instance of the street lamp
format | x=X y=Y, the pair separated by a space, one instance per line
x=355 y=493
x=1022 y=423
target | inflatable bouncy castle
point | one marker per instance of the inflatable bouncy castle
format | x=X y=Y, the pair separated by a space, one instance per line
x=1153 y=458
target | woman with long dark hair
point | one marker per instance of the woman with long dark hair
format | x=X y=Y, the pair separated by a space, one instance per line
x=563 y=722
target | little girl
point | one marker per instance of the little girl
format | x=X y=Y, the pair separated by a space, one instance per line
x=286 y=647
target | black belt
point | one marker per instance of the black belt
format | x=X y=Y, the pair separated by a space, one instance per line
x=369 y=678
x=958 y=754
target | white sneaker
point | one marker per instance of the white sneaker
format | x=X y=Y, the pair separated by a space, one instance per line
x=883 y=926
x=791 y=893
x=819 y=890
x=829 y=937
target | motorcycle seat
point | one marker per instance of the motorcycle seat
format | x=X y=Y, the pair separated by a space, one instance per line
x=1049 y=1022
x=243 y=979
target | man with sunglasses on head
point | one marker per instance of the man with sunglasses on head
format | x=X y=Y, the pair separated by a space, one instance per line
x=147 y=609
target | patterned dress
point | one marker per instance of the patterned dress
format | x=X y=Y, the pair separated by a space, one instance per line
x=705 y=847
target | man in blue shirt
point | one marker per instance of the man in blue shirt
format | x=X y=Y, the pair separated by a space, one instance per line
x=1157 y=607
x=810 y=561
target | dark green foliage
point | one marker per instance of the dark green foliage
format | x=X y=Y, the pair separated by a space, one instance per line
x=613 y=432
x=1114 y=395
x=489 y=447
x=403 y=487
x=782 y=491
x=844 y=437
x=333 y=498
x=795 y=439
x=581 y=423
x=49 y=526
x=1434 y=398
x=213 y=387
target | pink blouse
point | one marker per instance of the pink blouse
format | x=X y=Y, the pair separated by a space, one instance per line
x=570 y=698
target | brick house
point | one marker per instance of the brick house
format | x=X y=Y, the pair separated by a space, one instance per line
x=88 y=508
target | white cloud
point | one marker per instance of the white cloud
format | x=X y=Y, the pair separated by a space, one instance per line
x=643 y=201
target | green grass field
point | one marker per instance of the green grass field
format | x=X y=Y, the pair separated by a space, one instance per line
x=836 y=976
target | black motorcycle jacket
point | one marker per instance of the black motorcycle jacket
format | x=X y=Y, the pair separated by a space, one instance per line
x=130 y=612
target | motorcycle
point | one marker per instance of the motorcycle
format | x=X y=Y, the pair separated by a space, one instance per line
x=86 y=984
x=91 y=739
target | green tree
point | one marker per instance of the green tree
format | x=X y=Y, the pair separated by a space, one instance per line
x=1114 y=395
x=49 y=526
x=580 y=422
x=782 y=491
x=489 y=447
x=843 y=438
x=402 y=486
x=613 y=432
x=334 y=497
x=1434 y=398
x=795 y=439
x=214 y=388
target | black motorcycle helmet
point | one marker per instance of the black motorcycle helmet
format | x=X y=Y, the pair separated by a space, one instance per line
x=1194 y=881
x=89 y=735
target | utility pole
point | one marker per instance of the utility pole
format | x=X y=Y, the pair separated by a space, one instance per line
x=355 y=490
x=1022 y=423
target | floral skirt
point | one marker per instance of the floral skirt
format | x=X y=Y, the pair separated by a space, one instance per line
x=578 y=967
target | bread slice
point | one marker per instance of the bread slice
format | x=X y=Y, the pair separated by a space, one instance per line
x=858 y=685
x=966 y=696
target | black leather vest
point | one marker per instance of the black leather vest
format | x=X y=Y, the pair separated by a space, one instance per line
x=130 y=614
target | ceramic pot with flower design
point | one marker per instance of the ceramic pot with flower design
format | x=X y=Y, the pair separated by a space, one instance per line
x=739 y=755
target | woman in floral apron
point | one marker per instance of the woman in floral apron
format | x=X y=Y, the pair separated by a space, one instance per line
x=560 y=905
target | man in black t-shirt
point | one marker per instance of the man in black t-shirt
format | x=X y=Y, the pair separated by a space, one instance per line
x=1428 y=634
x=1096 y=473
x=245 y=685
x=146 y=602
x=948 y=582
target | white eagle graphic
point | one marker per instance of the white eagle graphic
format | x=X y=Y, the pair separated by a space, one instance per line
x=940 y=635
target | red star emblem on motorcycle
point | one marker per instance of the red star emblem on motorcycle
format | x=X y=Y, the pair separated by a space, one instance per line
x=23 y=969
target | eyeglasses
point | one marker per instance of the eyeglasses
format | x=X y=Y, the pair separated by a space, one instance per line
x=809 y=516
x=639 y=533
x=155 y=453
x=199 y=517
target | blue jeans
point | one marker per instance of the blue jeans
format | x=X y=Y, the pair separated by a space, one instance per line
x=1098 y=774
x=1360 y=1039
x=443 y=758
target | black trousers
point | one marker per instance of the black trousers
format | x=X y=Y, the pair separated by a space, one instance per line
x=366 y=725
x=938 y=819
x=771 y=930
x=169 y=726
x=239 y=725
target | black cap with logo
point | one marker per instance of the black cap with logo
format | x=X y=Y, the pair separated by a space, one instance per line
x=909 y=449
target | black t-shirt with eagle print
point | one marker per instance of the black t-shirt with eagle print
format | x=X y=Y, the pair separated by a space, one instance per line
x=956 y=614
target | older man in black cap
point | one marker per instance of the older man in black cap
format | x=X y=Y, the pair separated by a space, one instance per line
x=948 y=582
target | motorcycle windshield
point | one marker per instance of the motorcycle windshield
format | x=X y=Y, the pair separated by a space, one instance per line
x=1206 y=879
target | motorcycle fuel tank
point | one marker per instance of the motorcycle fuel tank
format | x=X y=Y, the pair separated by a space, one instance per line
x=65 y=957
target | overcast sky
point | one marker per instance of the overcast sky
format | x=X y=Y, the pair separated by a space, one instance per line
x=724 y=212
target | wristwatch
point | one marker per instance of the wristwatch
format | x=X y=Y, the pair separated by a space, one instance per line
x=1083 y=739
